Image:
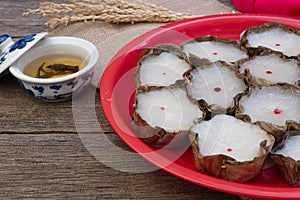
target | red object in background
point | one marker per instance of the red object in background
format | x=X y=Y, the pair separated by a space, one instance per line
x=281 y=7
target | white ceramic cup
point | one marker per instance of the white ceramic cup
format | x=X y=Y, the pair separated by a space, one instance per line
x=62 y=88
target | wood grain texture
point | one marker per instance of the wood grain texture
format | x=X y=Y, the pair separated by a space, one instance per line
x=25 y=114
x=58 y=166
x=13 y=23
x=42 y=156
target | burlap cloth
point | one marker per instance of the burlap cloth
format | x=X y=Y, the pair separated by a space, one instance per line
x=109 y=38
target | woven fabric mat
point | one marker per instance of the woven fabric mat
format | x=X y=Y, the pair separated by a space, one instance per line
x=109 y=38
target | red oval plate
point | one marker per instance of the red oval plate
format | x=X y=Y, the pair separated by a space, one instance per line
x=117 y=89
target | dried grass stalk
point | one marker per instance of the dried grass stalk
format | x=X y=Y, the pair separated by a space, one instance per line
x=114 y=11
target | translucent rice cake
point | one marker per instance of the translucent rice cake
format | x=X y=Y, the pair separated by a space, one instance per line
x=163 y=114
x=272 y=36
x=271 y=68
x=271 y=107
x=162 y=65
x=288 y=159
x=214 y=49
x=215 y=85
x=229 y=148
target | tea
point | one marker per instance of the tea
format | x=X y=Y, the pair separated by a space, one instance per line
x=54 y=66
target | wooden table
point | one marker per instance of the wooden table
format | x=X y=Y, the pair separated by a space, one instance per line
x=42 y=156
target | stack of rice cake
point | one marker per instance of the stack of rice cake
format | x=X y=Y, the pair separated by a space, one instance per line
x=238 y=103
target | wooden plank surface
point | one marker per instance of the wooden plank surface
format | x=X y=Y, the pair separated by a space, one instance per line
x=58 y=165
x=25 y=114
x=42 y=156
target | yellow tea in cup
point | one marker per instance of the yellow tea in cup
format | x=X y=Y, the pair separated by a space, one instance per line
x=54 y=66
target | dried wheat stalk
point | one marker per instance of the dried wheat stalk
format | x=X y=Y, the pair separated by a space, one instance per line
x=114 y=11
